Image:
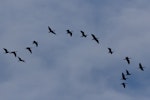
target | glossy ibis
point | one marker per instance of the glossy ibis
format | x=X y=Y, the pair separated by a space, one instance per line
x=29 y=49
x=141 y=67
x=127 y=59
x=83 y=34
x=123 y=77
x=110 y=51
x=36 y=43
x=14 y=53
x=123 y=84
x=95 y=38
x=51 y=31
x=6 y=51
x=20 y=59
x=127 y=72
x=69 y=32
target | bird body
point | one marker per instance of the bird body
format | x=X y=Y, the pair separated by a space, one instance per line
x=123 y=84
x=83 y=34
x=6 y=51
x=14 y=53
x=69 y=32
x=29 y=49
x=127 y=59
x=36 y=43
x=95 y=38
x=51 y=31
x=110 y=51
x=20 y=59
x=141 y=67
x=127 y=72
x=123 y=77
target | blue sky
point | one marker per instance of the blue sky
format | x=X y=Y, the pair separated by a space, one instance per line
x=64 y=67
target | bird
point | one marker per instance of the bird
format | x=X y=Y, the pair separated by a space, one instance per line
x=20 y=59
x=14 y=53
x=83 y=34
x=95 y=38
x=123 y=84
x=123 y=77
x=127 y=59
x=6 y=51
x=127 y=72
x=29 y=49
x=51 y=31
x=69 y=32
x=110 y=51
x=36 y=43
x=141 y=67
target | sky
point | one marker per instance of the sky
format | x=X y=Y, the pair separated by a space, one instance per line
x=74 y=68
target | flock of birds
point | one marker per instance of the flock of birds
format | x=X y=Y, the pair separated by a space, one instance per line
x=15 y=52
x=29 y=49
x=124 y=76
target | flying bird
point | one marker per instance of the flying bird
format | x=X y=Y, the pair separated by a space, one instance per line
x=141 y=67
x=123 y=77
x=20 y=59
x=14 y=53
x=83 y=34
x=36 y=43
x=123 y=84
x=6 y=51
x=127 y=72
x=95 y=38
x=110 y=51
x=29 y=49
x=127 y=59
x=51 y=31
x=69 y=32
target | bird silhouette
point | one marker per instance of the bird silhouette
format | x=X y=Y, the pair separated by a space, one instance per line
x=14 y=53
x=141 y=67
x=29 y=49
x=127 y=59
x=123 y=84
x=51 y=31
x=123 y=77
x=20 y=59
x=69 y=32
x=83 y=34
x=95 y=38
x=6 y=51
x=110 y=51
x=36 y=43
x=127 y=72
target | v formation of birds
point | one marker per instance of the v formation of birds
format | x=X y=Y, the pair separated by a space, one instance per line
x=83 y=34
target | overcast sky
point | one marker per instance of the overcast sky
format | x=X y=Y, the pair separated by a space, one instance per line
x=74 y=68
